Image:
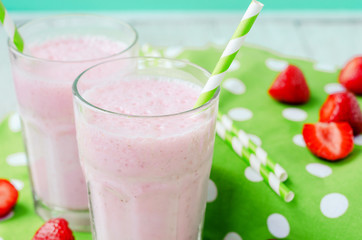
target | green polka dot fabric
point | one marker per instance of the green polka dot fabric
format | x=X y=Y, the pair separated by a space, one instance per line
x=240 y=205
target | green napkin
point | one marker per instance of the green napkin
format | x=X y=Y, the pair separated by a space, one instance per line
x=240 y=205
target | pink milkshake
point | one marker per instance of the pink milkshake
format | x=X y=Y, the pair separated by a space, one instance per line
x=145 y=154
x=43 y=76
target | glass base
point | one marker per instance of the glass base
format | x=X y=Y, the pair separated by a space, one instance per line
x=78 y=219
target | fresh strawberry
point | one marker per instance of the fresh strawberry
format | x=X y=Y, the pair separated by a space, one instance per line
x=54 y=229
x=351 y=75
x=331 y=141
x=8 y=197
x=342 y=107
x=290 y=86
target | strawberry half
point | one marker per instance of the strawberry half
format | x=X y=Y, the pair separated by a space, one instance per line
x=342 y=107
x=331 y=141
x=8 y=197
x=351 y=75
x=54 y=229
x=290 y=86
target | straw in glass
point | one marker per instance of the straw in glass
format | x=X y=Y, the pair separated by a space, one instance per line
x=249 y=158
x=261 y=154
x=10 y=28
x=230 y=52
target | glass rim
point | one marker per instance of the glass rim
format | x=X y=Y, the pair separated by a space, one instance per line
x=13 y=49
x=76 y=93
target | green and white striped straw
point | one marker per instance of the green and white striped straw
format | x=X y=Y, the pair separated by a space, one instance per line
x=229 y=53
x=260 y=153
x=11 y=29
x=269 y=177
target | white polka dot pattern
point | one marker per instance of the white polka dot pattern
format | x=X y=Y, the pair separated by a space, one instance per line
x=234 y=85
x=278 y=225
x=331 y=88
x=358 y=140
x=232 y=236
x=16 y=159
x=334 y=205
x=240 y=114
x=319 y=170
x=324 y=67
x=276 y=65
x=235 y=65
x=17 y=184
x=299 y=140
x=173 y=52
x=211 y=191
x=252 y=175
x=14 y=123
x=295 y=114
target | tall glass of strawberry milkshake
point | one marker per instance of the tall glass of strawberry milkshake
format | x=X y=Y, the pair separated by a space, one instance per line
x=145 y=152
x=58 y=49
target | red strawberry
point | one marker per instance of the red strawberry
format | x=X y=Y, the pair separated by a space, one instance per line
x=54 y=229
x=331 y=141
x=342 y=107
x=351 y=75
x=290 y=86
x=8 y=197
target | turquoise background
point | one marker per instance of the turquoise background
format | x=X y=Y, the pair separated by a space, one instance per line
x=117 y=5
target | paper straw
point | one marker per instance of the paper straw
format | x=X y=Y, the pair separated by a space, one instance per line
x=249 y=158
x=261 y=154
x=10 y=28
x=230 y=52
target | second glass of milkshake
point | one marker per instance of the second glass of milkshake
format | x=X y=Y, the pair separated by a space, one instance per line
x=146 y=153
x=57 y=50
